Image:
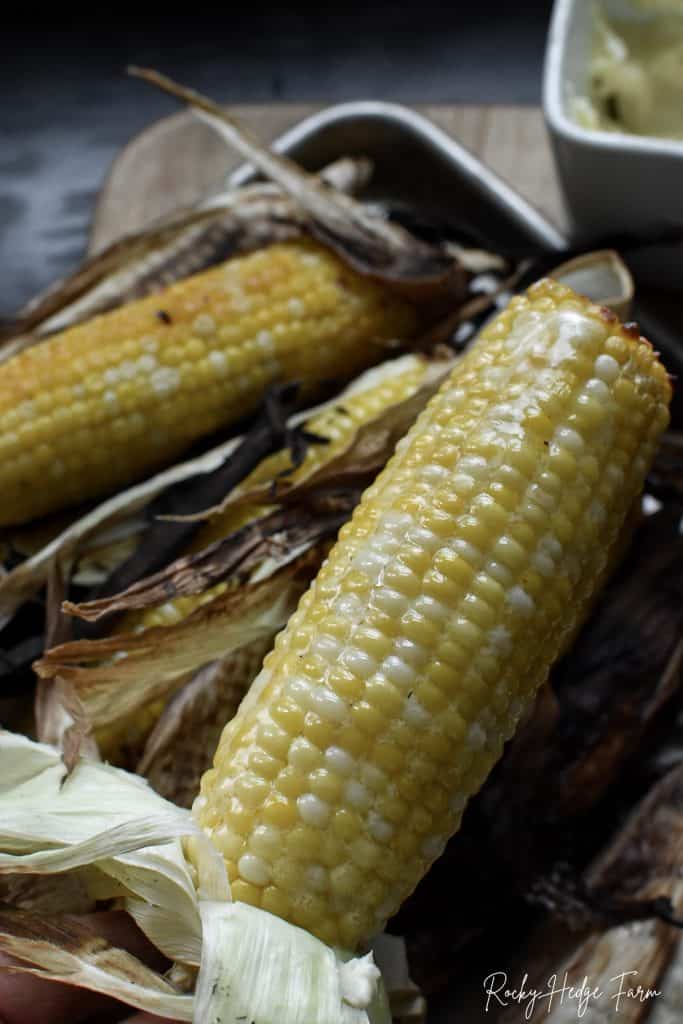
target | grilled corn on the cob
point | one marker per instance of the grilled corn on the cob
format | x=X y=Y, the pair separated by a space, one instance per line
x=390 y=694
x=102 y=403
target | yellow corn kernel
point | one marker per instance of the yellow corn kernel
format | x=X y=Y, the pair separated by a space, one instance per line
x=151 y=384
x=465 y=681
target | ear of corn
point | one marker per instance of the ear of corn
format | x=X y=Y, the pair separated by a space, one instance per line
x=436 y=617
x=102 y=403
x=375 y=392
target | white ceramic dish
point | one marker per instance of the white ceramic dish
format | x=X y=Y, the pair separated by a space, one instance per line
x=417 y=162
x=613 y=183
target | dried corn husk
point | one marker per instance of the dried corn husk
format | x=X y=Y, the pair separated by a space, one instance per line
x=373 y=246
x=64 y=949
x=23 y=582
x=116 y=675
x=602 y=276
x=639 y=868
x=406 y=1002
x=67 y=893
x=367 y=451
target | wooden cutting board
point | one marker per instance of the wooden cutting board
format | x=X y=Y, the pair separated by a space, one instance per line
x=178 y=160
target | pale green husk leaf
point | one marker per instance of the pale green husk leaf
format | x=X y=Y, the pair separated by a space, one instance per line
x=105 y=819
x=97 y=823
x=257 y=967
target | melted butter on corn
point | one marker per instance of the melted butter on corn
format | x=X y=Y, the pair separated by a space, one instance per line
x=436 y=617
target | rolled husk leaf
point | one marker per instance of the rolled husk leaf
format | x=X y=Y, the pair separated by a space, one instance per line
x=254 y=967
x=406 y=1002
x=602 y=276
x=268 y=541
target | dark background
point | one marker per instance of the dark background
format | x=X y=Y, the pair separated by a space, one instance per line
x=66 y=108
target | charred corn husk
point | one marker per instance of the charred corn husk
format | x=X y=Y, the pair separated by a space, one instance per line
x=100 y=404
x=375 y=392
x=336 y=425
x=436 y=617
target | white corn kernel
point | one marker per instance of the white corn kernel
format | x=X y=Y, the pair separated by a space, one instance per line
x=313 y=810
x=253 y=869
x=328 y=705
x=520 y=601
x=340 y=761
x=606 y=368
x=317 y=877
x=356 y=794
x=415 y=714
x=378 y=828
x=398 y=672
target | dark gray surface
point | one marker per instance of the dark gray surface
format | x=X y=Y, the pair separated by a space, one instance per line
x=67 y=108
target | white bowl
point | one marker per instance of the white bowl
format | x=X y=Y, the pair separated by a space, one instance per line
x=613 y=183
